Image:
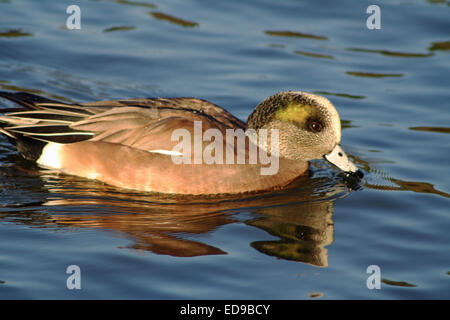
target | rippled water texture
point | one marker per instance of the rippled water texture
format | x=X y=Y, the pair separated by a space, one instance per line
x=314 y=240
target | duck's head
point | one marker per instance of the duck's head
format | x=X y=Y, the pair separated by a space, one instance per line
x=308 y=125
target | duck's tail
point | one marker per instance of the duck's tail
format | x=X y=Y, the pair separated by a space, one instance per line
x=27 y=100
x=38 y=121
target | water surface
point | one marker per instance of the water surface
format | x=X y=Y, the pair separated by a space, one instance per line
x=316 y=240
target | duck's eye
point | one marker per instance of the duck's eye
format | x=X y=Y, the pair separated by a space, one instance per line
x=315 y=126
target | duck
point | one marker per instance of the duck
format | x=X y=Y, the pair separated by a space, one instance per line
x=160 y=144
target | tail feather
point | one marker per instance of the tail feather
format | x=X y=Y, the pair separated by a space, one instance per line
x=38 y=121
x=27 y=100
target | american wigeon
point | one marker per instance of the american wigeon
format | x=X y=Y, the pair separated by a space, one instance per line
x=130 y=143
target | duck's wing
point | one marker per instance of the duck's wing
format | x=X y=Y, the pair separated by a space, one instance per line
x=148 y=124
x=145 y=124
x=189 y=105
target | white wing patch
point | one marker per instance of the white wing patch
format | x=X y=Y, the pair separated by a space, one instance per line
x=167 y=152
x=50 y=156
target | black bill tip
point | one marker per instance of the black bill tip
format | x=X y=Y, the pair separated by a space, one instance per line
x=359 y=174
x=353 y=179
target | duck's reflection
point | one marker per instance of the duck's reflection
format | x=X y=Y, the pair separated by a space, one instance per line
x=301 y=217
x=304 y=231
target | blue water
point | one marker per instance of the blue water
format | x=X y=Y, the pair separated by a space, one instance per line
x=390 y=86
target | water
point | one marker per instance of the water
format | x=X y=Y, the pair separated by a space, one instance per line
x=391 y=87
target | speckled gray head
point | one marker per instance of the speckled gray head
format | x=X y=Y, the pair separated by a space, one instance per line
x=309 y=127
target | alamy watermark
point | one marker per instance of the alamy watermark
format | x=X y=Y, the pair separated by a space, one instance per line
x=223 y=150
x=74 y=20
x=374 y=280
x=74 y=280
x=374 y=20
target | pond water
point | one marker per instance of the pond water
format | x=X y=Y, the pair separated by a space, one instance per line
x=390 y=86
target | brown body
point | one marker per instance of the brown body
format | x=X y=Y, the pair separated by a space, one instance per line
x=129 y=168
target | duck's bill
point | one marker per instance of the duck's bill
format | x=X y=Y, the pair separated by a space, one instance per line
x=339 y=158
